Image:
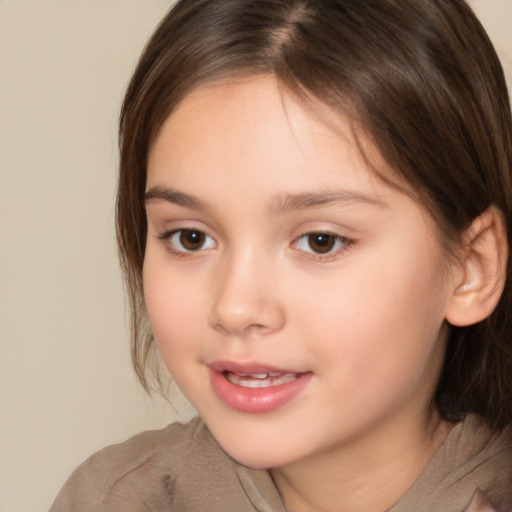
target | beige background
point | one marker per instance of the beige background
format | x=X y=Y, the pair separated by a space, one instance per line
x=66 y=386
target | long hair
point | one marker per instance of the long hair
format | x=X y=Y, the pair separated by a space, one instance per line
x=422 y=80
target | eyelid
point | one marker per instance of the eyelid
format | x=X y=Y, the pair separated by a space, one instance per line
x=166 y=238
x=346 y=244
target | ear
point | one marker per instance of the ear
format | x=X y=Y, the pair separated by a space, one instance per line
x=484 y=268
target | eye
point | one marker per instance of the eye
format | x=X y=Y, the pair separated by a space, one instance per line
x=321 y=243
x=188 y=240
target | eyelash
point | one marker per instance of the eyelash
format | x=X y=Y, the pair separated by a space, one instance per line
x=339 y=243
x=167 y=239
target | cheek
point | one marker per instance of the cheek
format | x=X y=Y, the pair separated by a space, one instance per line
x=173 y=308
x=378 y=318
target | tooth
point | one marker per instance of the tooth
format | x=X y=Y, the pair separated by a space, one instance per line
x=261 y=380
x=254 y=384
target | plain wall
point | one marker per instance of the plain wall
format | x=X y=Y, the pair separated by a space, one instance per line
x=66 y=384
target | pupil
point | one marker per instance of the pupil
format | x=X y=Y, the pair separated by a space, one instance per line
x=192 y=240
x=321 y=242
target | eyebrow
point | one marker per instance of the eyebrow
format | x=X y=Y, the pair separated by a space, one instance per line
x=287 y=202
x=320 y=199
x=173 y=196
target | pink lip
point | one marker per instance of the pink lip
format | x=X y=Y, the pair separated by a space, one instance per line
x=254 y=400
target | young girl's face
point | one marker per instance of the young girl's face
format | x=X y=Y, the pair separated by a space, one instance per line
x=296 y=299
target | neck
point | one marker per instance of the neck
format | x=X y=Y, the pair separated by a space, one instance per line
x=368 y=474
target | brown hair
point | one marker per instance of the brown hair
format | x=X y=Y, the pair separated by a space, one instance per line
x=420 y=76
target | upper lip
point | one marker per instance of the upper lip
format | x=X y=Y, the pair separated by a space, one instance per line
x=246 y=368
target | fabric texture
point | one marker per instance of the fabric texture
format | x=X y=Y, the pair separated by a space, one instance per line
x=182 y=469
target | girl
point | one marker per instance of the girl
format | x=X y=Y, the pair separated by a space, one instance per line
x=313 y=210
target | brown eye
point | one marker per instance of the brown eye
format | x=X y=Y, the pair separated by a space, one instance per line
x=321 y=243
x=189 y=240
x=192 y=240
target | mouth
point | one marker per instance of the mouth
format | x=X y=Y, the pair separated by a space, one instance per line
x=256 y=388
x=260 y=380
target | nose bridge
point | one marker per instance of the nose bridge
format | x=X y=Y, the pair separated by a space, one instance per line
x=244 y=299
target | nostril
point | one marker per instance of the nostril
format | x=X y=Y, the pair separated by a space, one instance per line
x=220 y=328
x=243 y=330
x=242 y=305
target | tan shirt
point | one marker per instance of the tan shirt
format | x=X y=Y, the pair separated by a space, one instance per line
x=182 y=469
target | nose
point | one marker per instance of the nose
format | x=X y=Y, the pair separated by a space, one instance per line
x=246 y=299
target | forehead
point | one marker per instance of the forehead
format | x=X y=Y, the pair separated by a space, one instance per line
x=258 y=121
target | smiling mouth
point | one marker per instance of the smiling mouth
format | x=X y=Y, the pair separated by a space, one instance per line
x=255 y=388
x=260 y=380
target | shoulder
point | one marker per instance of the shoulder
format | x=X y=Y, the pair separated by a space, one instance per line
x=139 y=470
x=471 y=471
x=180 y=468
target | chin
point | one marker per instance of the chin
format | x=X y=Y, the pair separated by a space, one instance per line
x=255 y=454
x=256 y=459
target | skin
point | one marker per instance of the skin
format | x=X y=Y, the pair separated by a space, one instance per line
x=366 y=320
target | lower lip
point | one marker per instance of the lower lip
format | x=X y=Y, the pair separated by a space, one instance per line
x=256 y=400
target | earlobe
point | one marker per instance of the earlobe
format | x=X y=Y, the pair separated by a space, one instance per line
x=484 y=265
